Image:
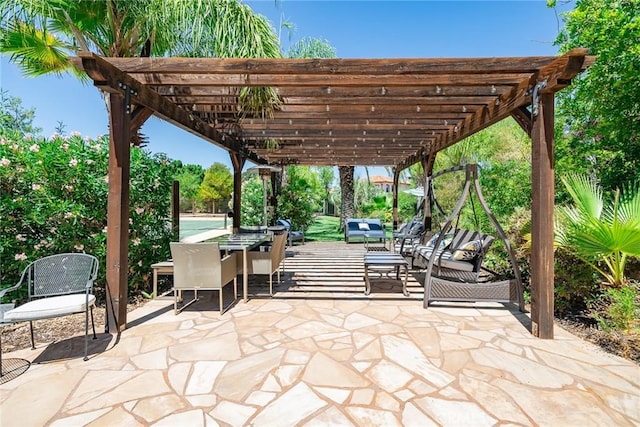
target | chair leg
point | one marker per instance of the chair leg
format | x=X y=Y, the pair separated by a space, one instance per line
x=33 y=343
x=1 y=374
x=175 y=301
x=86 y=331
x=235 y=288
x=93 y=325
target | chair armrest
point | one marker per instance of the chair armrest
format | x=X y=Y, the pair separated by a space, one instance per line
x=17 y=285
x=12 y=288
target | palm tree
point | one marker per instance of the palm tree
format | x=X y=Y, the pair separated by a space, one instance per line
x=597 y=233
x=41 y=35
x=346 y=190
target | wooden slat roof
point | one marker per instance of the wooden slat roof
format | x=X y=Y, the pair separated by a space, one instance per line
x=385 y=112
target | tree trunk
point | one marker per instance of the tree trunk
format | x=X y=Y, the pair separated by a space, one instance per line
x=346 y=188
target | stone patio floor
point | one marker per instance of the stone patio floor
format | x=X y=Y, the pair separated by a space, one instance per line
x=320 y=353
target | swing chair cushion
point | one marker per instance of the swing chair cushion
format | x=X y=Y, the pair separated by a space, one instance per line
x=468 y=251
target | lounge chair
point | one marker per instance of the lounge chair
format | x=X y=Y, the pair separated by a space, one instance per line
x=293 y=235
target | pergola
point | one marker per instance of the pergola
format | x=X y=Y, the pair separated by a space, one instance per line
x=382 y=112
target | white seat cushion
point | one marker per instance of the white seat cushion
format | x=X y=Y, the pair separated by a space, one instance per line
x=45 y=308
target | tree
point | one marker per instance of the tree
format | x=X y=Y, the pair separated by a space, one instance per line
x=190 y=178
x=217 y=185
x=325 y=174
x=53 y=196
x=599 y=126
x=598 y=233
x=310 y=47
x=41 y=36
x=346 y=191
x=14 y=117
x=300 y=197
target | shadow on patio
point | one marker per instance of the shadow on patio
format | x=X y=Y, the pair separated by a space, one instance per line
x=321 y=353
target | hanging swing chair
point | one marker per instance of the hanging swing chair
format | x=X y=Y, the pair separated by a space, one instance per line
x=454 y=271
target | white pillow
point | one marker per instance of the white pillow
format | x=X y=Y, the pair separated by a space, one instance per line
x=363 y=226
x=467 y=251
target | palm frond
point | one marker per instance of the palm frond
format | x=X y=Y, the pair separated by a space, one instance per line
x=586 y=194
x=35 y=51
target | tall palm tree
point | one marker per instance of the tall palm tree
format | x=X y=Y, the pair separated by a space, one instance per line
x=41 y=35
x=346 y=190
x=602 y=235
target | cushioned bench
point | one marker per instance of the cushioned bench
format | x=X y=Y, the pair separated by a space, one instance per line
x=461 y=251
x=358 y=227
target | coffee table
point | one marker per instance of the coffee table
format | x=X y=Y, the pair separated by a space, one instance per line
x=385 y=263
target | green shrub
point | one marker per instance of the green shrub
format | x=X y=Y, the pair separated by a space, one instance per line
x=622 y=310
x=53 y=199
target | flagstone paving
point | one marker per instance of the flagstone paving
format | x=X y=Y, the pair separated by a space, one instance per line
x=321 y=353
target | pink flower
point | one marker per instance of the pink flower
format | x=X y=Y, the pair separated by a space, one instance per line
x=140 y=263
x=136 y=241
x=20 y=238
x=78 y=247
x=75 y=133
x=65 y=146
x=20 y=257
x=54 y=135
x=139 y=211
x=35 y=148
x=28 y=137
x=73 y=162
x=36 y=187
x=89 y=161
x=5 y=162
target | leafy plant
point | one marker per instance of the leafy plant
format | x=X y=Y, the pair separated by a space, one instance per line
x=53 y=194
x=622 y=312
x=601 y=235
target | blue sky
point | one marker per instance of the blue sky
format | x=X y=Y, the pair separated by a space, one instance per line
x=357 y=29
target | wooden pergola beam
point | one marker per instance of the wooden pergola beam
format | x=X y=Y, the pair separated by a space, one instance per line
x=113 y=80
x=348 y=66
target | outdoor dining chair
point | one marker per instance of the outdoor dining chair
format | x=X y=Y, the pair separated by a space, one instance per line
x=200 y=266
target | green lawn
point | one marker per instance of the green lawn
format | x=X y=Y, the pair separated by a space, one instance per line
x=324 y=229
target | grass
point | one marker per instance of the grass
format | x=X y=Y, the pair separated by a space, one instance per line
x=324 y=229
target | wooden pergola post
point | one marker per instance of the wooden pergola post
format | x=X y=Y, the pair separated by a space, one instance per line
x=175 y=210
x=117 y=266
x=237 y=160
x=396 y=180
x=542 y=269
x=427 y=166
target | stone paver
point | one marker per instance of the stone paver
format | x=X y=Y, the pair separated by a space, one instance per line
x=321 y=353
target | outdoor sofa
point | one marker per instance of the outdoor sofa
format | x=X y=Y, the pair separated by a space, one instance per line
x=358 y=227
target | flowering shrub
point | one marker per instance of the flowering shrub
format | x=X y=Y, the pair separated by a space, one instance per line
x=53 y=199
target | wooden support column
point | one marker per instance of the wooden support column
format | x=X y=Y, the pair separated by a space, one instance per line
x=237 y=160
x=542 y=270
x=175 y=211
x=117 y=267
x=427 y=161
x=396 y=179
